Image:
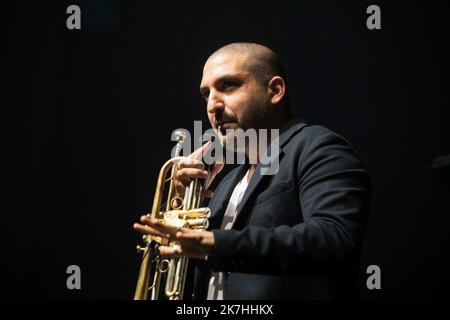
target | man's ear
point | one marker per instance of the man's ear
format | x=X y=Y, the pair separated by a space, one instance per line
x=277 y=89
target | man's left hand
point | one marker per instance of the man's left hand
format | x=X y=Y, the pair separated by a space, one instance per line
x=192 y=243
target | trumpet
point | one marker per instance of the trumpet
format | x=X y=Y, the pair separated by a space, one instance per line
x=160 y=278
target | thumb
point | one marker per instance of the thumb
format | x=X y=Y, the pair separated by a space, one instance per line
x=217 y=167
x=198 y=154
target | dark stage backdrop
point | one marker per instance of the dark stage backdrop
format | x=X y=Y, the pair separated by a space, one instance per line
x=87 y=116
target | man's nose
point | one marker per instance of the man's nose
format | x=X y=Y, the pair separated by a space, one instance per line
x=215 y=102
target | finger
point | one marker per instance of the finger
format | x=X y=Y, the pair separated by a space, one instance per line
x=198 y=154
x=207 y=193
x=179 y=187
x=166 y=230
x=144 y=219
x=184 y=180
x=217 y=167
x=190 y=163
x=148 y=230
x=184 y=173
x=176 y=251
x=190 y=236
x=170 y=252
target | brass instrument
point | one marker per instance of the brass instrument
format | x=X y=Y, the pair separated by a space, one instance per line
x=156 y=270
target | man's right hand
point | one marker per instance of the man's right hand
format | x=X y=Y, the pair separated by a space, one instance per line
x=192 y=167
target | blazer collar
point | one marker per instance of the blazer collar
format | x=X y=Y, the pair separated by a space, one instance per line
x=219 y=203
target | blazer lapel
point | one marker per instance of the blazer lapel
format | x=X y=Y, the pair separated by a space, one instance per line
x=292 y=127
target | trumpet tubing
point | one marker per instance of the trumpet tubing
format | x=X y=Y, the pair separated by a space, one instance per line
x=180 y=212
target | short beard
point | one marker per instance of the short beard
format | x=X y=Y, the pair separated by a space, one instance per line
x=261 y=119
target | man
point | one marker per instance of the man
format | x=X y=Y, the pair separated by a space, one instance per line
x=292 y=235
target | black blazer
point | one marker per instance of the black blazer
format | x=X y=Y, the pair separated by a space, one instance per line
x=297 y=234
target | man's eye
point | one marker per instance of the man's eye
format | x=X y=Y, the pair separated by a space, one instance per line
x=228 y=84
x=206 y=95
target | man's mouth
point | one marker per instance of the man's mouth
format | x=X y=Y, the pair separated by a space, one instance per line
x=221 y=123
x=226 y=125
x=223 y=126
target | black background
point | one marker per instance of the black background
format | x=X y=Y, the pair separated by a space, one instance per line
x=88 y=114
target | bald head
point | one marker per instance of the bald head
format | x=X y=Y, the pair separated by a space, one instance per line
x=259 y=60
x=243 y=86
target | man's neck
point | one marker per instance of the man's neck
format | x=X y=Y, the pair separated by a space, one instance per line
x=251 y=171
